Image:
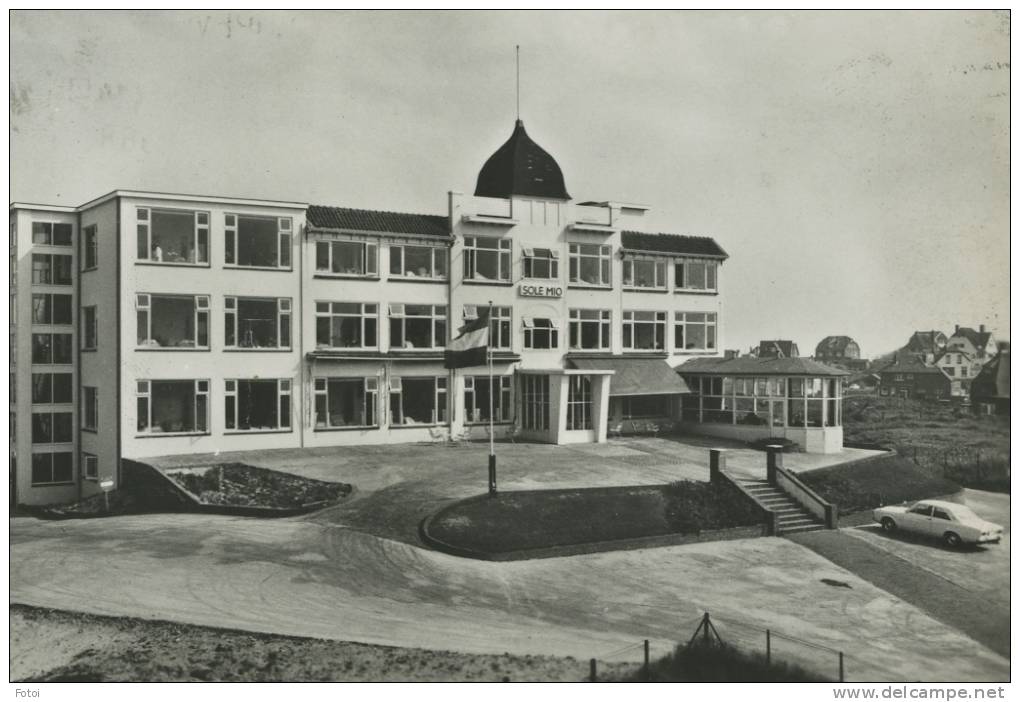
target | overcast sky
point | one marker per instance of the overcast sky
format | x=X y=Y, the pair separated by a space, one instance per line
x=855 y=165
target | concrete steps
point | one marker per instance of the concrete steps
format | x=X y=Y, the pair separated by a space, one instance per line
x=793 y=518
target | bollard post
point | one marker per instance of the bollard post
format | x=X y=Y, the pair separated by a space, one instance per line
x=593 y=675
x=841 y=676
x=492 y=475
x=773 y=460
x=768 y=647
x=716 y=464
x=705 y=634
x=648 y=663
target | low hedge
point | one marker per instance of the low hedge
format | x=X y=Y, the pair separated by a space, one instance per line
x=241 y=485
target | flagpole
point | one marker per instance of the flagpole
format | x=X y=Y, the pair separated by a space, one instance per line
x=492 y=435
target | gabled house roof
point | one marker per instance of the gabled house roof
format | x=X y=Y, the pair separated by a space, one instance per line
x=978 y=338
x=924 y=342
x=833 y=345
x=772 y=348
x=909 y=363
x=672 y=244
x=347 y=218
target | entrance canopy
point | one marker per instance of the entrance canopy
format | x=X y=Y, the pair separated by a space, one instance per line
x=635 y=376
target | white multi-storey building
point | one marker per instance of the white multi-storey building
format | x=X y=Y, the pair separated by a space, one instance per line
x=147 y=324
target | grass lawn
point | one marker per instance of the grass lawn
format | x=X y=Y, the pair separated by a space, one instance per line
x=533 y=519
x=942 y=439
x=881 y=481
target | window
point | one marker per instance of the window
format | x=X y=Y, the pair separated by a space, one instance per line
x=51 y=269
x=417 y=401
x=941 y=514
x=89 y=408
x=256 y=322
x=952 y=371
x=417 y=326
x=694 y=331
x=535 y=402
x=542 y=264
x=51 y=309
x=346 y=325
x=922 y=509
x=51 y=388
x=486 y=258
x=590 y=264
x=346 y=258
x=346 y=402
x=644 y=406
x=499 y=325
x=173 y=321
x=55 y=468
x=959 y=358
x=51 y=428
x=477 y=393
x=963 y=371
x=644 y=273
x=589 y=329
x=541 y=333
x=172 y=406
x=258 y=405
x=51 y=349
x=51 y=234
x=257 y=242
x=579 y=402
x=644 y=331
x=418 y=262
x=88 y=328
x=173 y=236
x=696 y=275
x=90 y=466
x=90 y=247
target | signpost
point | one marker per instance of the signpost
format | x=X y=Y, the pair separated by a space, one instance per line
x=107 y=485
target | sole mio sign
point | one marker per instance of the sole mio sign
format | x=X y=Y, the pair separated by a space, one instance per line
x=530 y=290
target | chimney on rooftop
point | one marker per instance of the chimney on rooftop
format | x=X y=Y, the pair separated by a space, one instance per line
x=981 y=328
x=731 y=353
x=957 y=330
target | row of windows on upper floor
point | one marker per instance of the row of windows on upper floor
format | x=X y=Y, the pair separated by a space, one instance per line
x=181 y=237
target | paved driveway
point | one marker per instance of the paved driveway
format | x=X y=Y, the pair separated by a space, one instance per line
x=301 y=577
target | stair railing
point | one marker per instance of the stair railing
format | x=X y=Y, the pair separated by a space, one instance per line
x=789 y=483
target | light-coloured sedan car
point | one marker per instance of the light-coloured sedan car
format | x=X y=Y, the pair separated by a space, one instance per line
x=953 y=524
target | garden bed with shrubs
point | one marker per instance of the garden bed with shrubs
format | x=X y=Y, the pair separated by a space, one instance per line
x=542 y=519
x=244 y=486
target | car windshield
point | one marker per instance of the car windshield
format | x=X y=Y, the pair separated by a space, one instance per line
x=921 y=508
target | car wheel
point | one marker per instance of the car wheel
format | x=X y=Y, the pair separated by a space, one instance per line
x=952 y=540
x=888 y=524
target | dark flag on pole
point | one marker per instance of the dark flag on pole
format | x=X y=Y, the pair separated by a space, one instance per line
x=471 y=345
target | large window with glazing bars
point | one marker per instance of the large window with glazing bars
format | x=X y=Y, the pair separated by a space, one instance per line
x=644 y=330
x=347 y=258
x=257 y=405
x=172 y=406
x=428 y=262
x=486 y=259
x=591 y=264
x=346 y=402
x=694 y=331
x=172 y=236
x=172 y=322
x=257 y=242
x=253 y=323
x=590 y=329
x=51 y=233
x=644 y=273
x=417 y=326
x=541 y=333
x=535 y=402
x=346 y=325
x=52 y=468
x=51 y=269
x=415 y=400
x=51 y=309
x=697 y=276
x=478 y=392
x=578 y=402
x=541 y=264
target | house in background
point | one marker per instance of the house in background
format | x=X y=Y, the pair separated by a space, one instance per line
x=841 y=351
x=908 y=376
x=926 y=344
x=989 y=392
x=961 y=367
x=980 y=344
x=776 y=348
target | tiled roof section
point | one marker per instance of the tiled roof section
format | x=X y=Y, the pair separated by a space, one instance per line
x=909 y=363
x=748 y=365
x=978 y=338
x=772 y=348
x=924 y=341
x=377 y=221
x=673 y=244
x=993 y=380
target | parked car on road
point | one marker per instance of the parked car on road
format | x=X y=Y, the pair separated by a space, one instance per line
x=953 y=524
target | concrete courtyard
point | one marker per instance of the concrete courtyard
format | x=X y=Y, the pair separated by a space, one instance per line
x=356 y=572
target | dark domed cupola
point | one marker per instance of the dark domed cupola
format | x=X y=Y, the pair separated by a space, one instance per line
x=523 y=168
